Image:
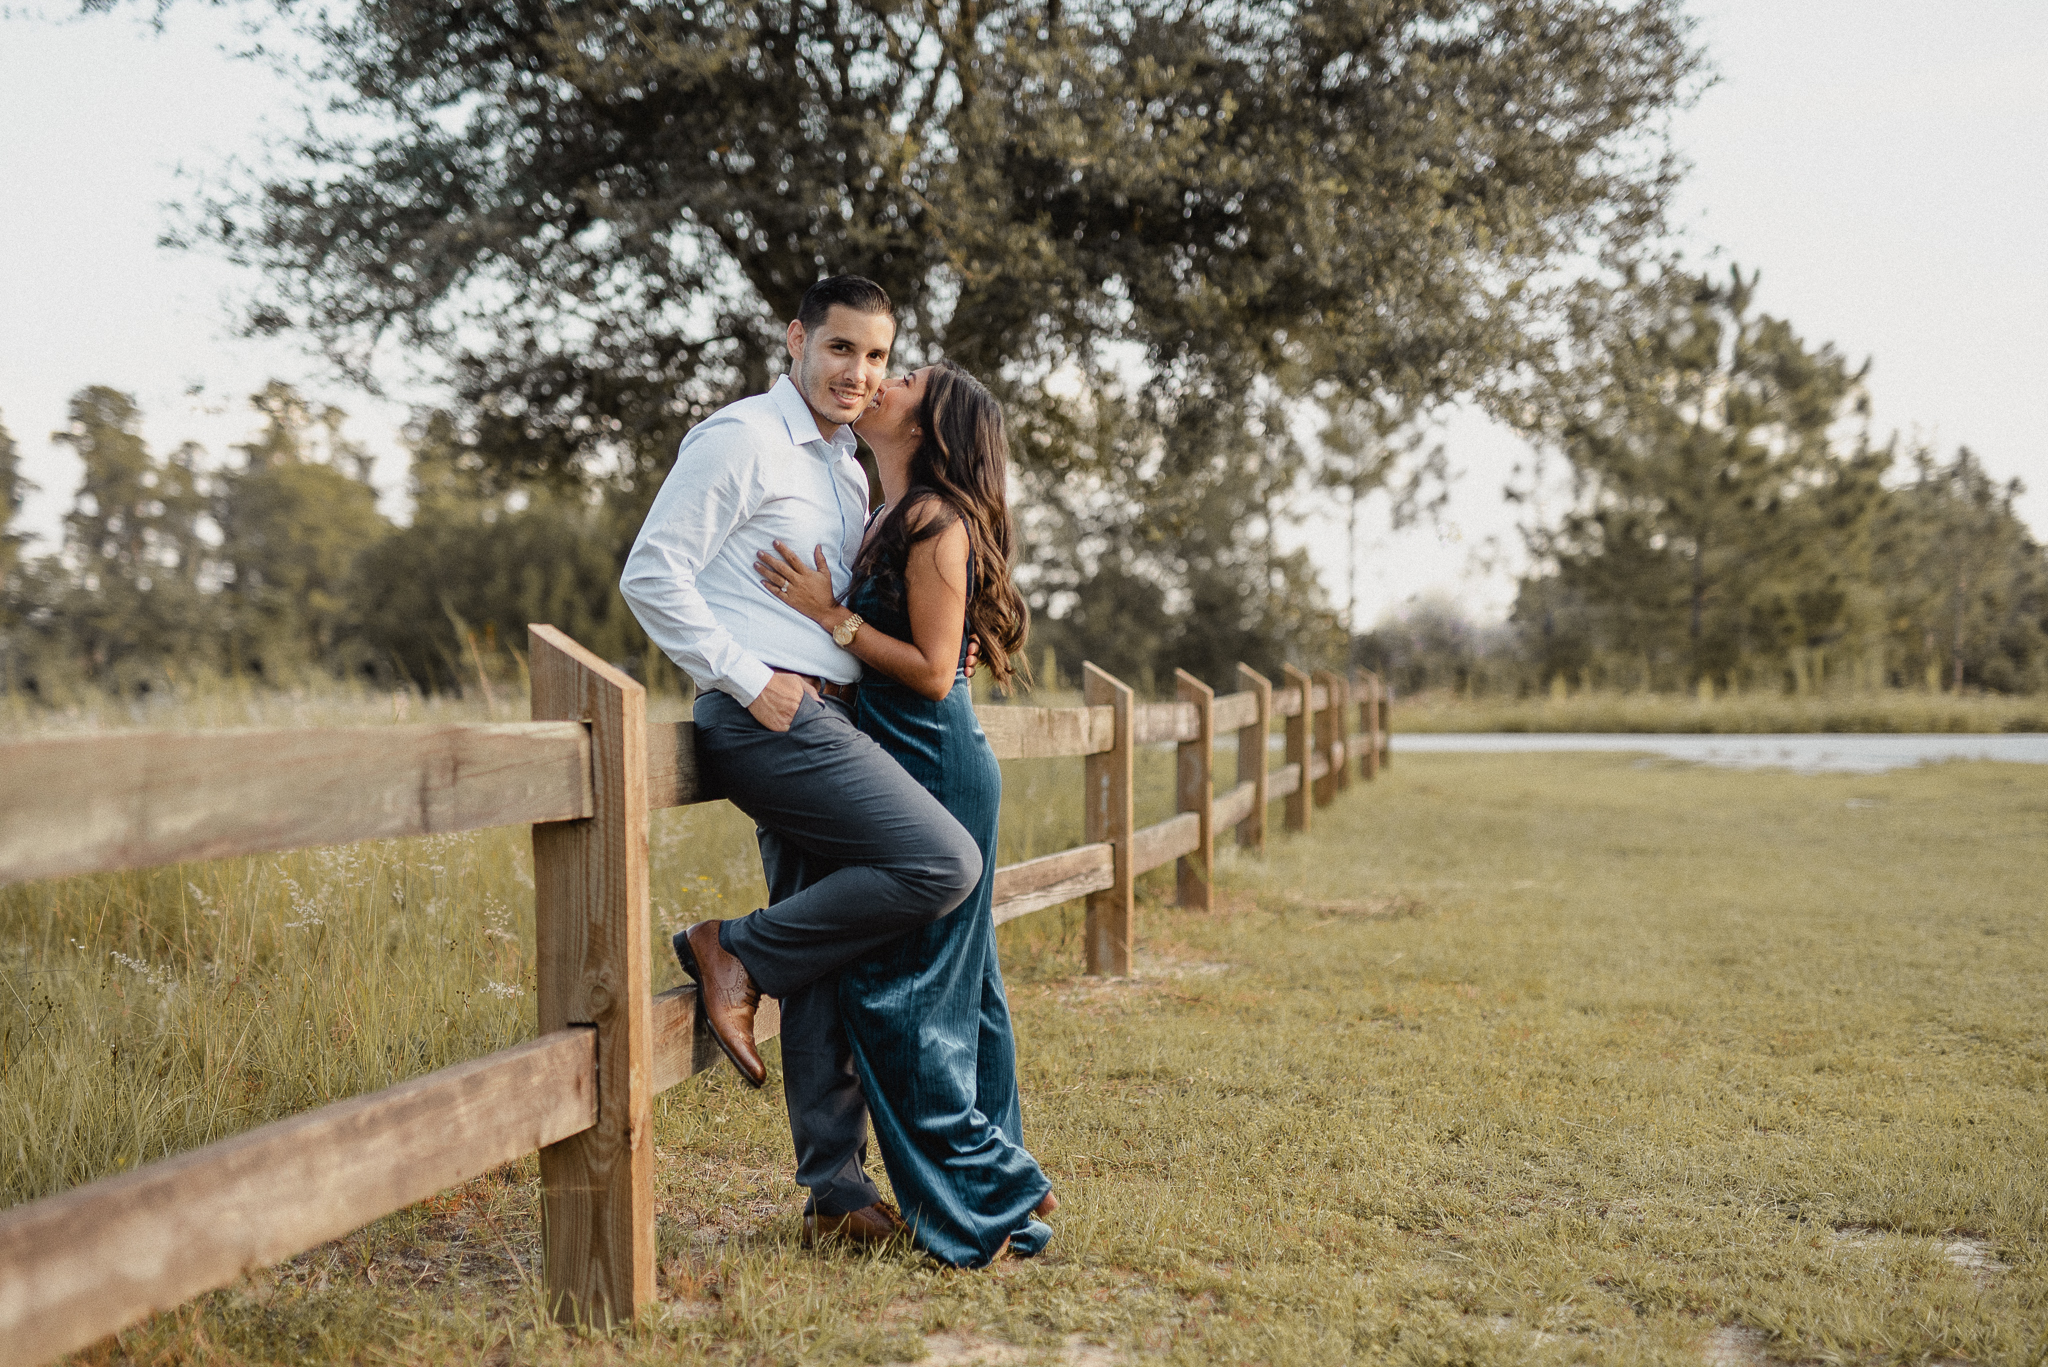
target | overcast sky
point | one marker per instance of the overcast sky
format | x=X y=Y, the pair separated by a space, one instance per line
x=1884 y=164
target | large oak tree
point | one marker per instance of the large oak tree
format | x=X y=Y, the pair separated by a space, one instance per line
x=1194 y=214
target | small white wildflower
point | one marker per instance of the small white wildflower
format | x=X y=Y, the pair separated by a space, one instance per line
x=158 y=978
x=205 y=903
x=306 y=907
x=504 y=989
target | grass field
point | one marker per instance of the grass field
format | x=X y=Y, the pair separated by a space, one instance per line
x=1515 y=1058
x=1893 y=710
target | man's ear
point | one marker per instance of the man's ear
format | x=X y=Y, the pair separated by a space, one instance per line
x=796 y=339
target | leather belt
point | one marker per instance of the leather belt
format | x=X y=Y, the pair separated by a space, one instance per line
x=825 y=687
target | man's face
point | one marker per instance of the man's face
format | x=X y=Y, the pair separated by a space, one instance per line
x=840 y=364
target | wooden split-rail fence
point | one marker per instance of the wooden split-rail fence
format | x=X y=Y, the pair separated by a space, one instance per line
x=584 y=773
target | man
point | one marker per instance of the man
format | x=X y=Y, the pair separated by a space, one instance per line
x=855 y=851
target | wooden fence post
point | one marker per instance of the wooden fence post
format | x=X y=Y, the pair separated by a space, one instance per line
x=1195 y=791
x=1108 y=818
x=1252 y=755
x=1368 y=748
x=1325 y=733
x=1369 y=722
x=1383 y=721
x=1340 y=723
x=591 y=942
x=1297 y=748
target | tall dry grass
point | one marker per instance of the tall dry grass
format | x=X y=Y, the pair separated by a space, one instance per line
x=146 y=1013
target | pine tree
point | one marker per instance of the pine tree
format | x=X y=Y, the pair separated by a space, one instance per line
x=292 y=524
x=1965 y=584
x=14 y=491
x=130 y=598
x=1717 y=529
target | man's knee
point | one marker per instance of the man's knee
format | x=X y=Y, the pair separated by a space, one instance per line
x=946 y=875
x=939 y=876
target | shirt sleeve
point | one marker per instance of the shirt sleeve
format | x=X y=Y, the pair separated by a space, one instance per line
x=712 y=489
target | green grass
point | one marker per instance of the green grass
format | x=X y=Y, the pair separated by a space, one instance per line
x=1514 y=1059
x=1893 y=710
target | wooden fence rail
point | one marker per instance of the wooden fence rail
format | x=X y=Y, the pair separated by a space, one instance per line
x=584 y=774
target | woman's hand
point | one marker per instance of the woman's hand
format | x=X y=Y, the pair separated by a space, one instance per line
x=807 y=590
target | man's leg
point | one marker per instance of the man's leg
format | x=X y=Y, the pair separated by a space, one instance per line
x=828 y=1114
x=899 y=859
x=856 y=853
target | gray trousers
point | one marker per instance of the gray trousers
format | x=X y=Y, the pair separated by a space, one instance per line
x=856 y=852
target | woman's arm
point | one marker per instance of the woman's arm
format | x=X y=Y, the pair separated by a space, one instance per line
x=935 y=581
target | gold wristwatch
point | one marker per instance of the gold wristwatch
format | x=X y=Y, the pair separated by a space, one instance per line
x=842 y=635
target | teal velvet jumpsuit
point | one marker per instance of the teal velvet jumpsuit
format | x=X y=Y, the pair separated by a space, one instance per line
x=926 y=1015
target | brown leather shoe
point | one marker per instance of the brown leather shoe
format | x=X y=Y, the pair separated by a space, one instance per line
x=875 y=1224
x=725 y=994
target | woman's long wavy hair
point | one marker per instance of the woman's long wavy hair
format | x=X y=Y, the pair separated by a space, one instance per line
x=962 y=464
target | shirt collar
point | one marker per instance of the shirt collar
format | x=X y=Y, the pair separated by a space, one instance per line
x=802 y=423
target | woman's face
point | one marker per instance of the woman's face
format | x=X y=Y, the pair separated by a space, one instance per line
x=893 y=415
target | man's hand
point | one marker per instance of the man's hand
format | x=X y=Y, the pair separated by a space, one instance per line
x=776 y=706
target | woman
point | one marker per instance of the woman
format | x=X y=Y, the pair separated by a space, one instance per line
x=927 y=1017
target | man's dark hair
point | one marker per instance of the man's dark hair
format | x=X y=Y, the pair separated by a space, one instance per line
x=856 y=292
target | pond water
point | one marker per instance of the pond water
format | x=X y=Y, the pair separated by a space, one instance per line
x=1810 y=754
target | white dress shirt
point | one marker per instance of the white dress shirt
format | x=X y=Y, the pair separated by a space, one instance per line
x=752 y=473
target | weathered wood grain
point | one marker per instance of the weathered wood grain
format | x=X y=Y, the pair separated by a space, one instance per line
x=1106 y=810
x=1046 y=732
x=1253 y=756
x=1299 y=725
x=1155 y=723
x=1235 y=711
x=592 y=968
x=1369 y=723
x=1052 y=894
x=1385 y=719
x=1165 y=841
x=78 y=1266
x=1323 y=731
x=95 y=803
x=683 y=1047
x=1194 y=788
x=1015 y=880
x=1340 y=722
x=1283 y=782
x=1234 y=806
x=672 y=777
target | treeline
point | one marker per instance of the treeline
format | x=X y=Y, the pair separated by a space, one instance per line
x=279 y=568
x=1735 y=527
x=275 y=566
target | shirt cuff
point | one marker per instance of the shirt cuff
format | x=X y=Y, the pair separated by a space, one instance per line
x=747 y=680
